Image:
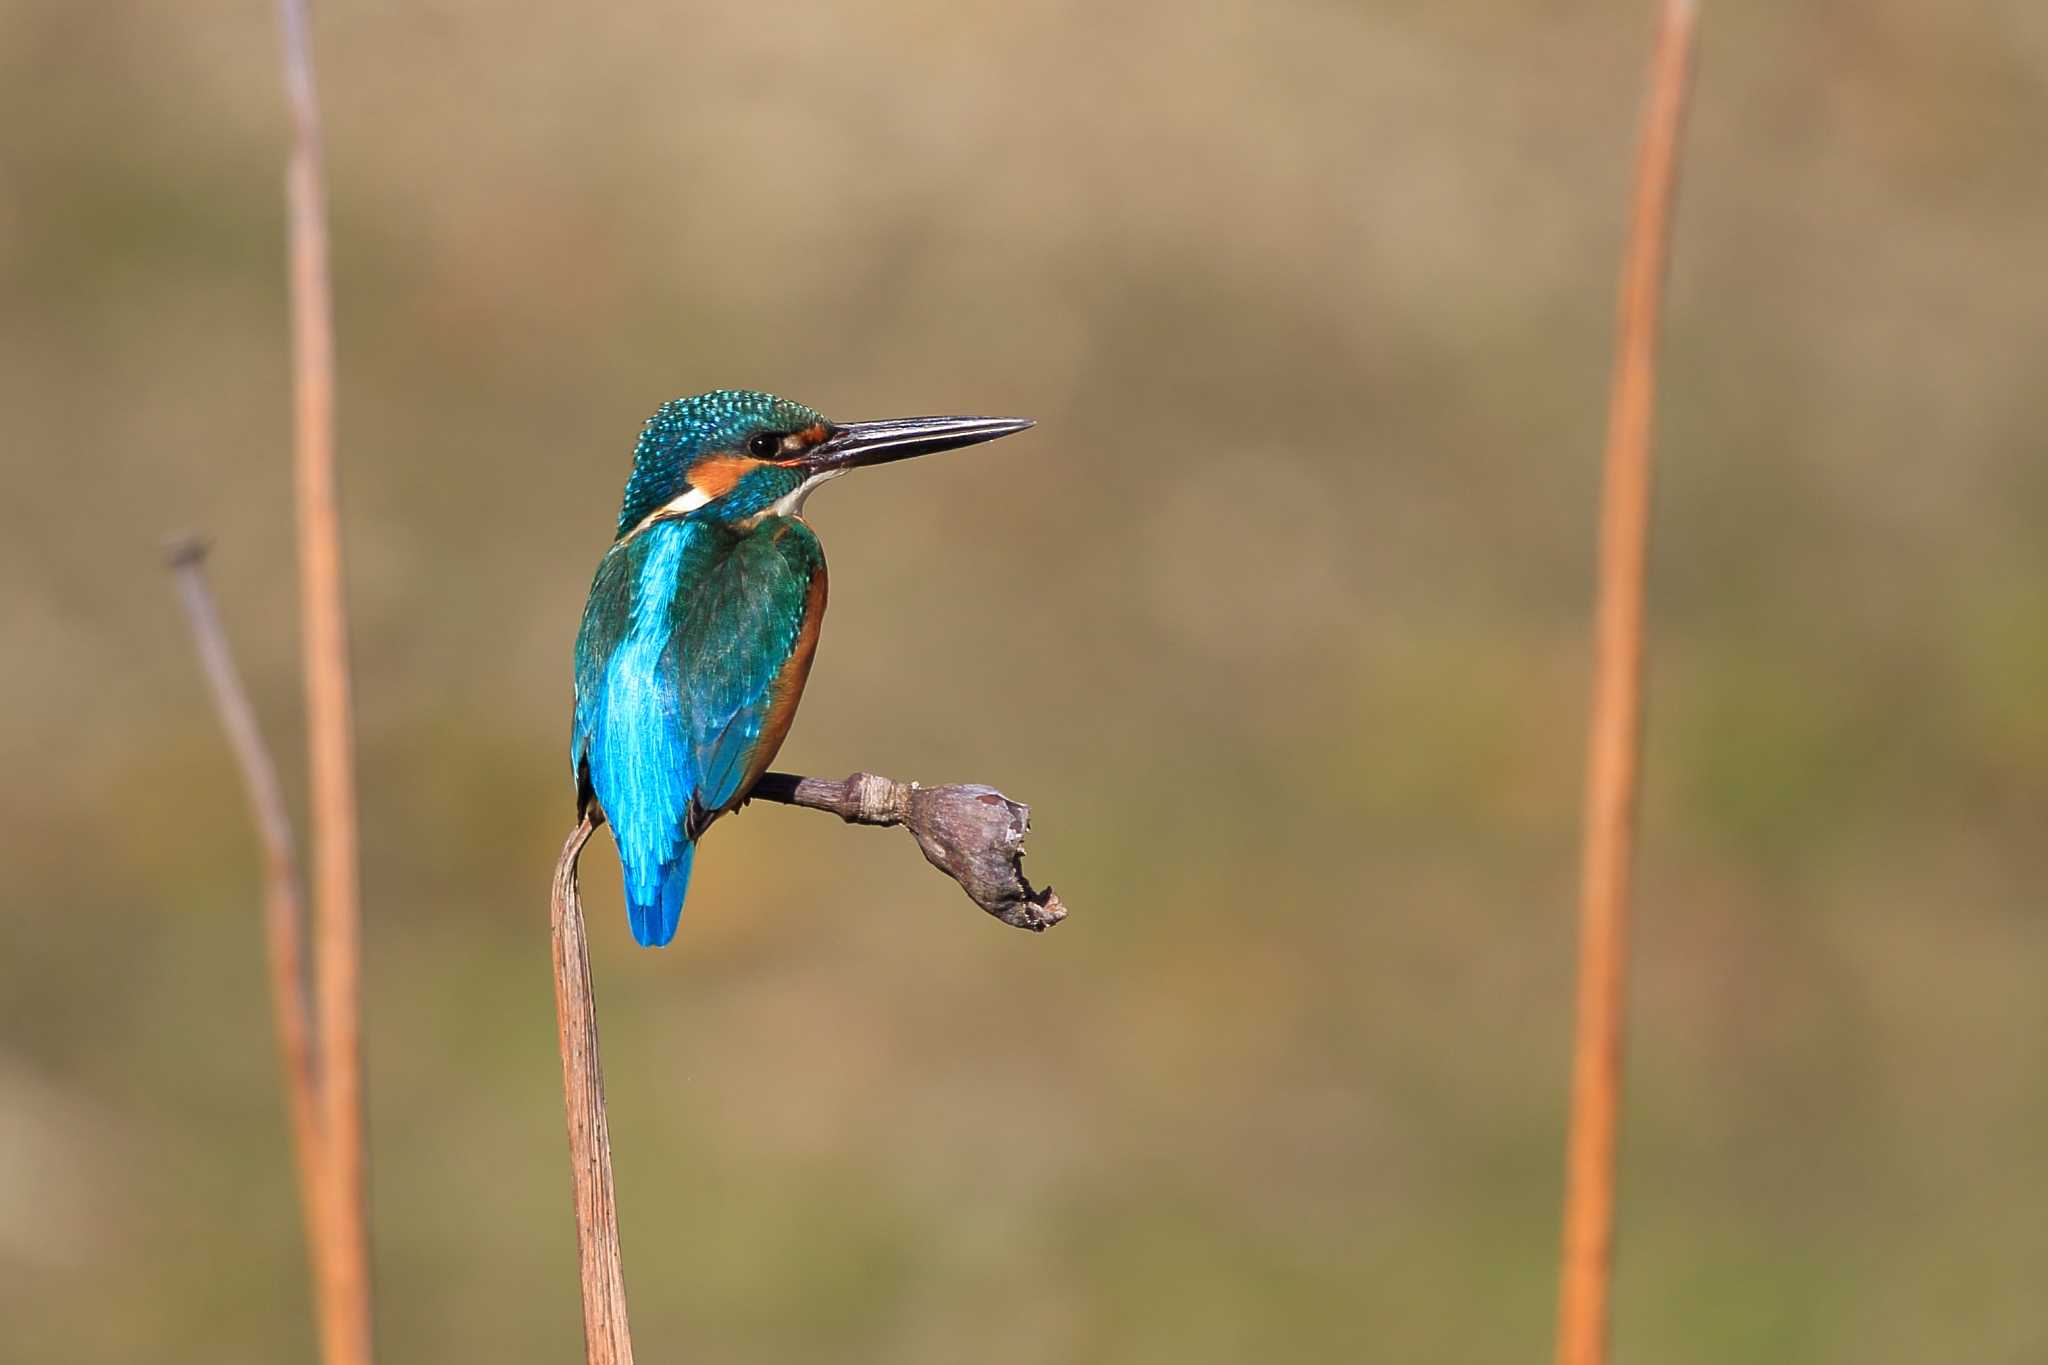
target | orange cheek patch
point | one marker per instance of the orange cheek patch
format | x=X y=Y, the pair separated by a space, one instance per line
x=715 y=475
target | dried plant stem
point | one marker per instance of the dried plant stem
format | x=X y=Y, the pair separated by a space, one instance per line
x=344 y=1267
x=1613 y=759
x=283 y=908
x=607 y=1338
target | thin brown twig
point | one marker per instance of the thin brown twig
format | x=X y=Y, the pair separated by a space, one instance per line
x=607 y=1337
x=344 y=1291
x=283 y=906
x=1613 y=759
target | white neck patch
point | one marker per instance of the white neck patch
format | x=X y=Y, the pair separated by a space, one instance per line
x=690 y=500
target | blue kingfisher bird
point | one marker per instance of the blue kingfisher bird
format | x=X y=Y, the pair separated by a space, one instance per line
x=703 y=616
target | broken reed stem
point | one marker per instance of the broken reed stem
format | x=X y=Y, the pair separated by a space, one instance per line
x=607 y=1337
x=283 y=907
x=344 y=1266
x=862 y=799
x=1613 y=758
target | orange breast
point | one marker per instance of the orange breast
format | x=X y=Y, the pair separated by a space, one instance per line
x=788 y=688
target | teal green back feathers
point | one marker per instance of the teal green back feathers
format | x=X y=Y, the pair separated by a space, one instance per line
x=687 y=640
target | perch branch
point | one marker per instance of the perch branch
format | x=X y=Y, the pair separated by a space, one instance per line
x=1613 y=759
x=344 y=1298
x=973 y=834
x=607 y=1339
x=283 y=907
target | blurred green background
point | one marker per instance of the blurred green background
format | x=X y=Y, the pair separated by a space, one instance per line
x=1278 y=620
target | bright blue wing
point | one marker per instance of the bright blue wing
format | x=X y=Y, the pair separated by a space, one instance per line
x=630 y=730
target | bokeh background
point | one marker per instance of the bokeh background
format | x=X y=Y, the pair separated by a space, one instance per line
x=1278 y=620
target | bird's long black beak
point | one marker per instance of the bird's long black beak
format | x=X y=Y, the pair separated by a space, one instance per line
x=866 y=443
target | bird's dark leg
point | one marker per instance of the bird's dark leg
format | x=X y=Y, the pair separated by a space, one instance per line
x=587 y=807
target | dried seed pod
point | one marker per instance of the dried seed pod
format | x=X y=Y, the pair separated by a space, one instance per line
x=975 y=835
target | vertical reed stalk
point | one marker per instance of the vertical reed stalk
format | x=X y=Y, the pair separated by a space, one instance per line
x=1613 y=758
x=344 y=1274
x=607 y=1339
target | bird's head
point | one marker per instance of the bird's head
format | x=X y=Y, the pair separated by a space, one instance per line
x=734 y=455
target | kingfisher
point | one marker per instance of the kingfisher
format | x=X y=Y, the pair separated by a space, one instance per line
x=703 y=617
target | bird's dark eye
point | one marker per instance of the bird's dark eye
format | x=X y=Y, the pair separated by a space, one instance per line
x=765 y=444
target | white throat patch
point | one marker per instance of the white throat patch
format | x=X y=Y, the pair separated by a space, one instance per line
x=791 y=504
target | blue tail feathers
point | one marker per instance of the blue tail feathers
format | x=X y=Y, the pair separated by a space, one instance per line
x=655 y=915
